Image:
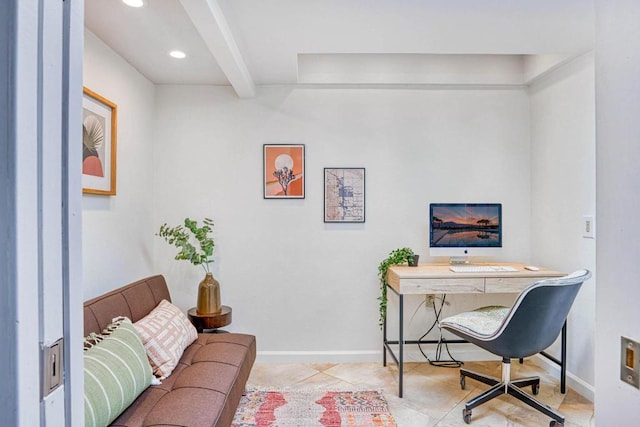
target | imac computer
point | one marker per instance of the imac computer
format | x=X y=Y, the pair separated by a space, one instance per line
x=461 y=230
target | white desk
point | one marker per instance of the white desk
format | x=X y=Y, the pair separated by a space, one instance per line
x=428 y=279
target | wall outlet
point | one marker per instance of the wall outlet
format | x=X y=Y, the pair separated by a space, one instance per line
x=630 y=361
x=588 y=227
x=429 y=300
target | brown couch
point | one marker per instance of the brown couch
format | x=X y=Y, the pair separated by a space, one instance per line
x=206 y=386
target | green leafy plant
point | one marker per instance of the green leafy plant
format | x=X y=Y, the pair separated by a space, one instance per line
x=182 y=236
x=396 y=257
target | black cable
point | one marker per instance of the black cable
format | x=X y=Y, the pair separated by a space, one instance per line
x=453 y=363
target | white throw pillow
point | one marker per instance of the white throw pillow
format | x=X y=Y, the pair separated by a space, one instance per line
x=165 y=333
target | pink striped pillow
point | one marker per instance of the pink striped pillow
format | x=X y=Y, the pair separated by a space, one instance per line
x=165 y=333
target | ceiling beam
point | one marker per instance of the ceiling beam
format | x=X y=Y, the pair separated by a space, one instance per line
x=208 y=19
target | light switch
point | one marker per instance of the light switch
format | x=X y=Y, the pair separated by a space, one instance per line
x=588 y=227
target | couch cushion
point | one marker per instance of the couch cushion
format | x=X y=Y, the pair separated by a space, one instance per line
x=165 y=333
x=134 y=301
x=202 y=390
x=223 y=348
x=116 y=371
x=188 y=407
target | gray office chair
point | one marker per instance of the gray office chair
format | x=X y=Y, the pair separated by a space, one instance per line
x=527 y=328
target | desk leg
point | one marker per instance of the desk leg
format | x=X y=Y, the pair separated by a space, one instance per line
x=401 y=346
x=384 y=337
x=563 y=360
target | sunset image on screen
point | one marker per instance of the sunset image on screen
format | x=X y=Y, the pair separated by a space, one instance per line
x=465 y=225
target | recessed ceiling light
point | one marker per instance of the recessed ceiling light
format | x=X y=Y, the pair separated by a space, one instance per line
x=178 y=54
x=133 y=3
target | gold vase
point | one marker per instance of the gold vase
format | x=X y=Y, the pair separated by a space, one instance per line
x=208 y=296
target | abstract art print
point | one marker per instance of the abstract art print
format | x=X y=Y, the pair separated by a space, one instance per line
x=283 y=166
x=344 y=195
x=99 y=130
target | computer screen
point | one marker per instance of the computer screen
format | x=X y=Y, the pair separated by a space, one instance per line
x=465 y=229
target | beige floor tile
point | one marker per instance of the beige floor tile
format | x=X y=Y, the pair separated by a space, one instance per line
x=577 y=410
x=321 y=381
x=322 y=366
x=278 y=375
x=372 y=375
x=409 y=417
x=431 y=395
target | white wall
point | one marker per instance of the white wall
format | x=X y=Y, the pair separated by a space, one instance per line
x=299 y=284
x=562 y=191
x=618 y=199
x=197 y=151
x=117 y=232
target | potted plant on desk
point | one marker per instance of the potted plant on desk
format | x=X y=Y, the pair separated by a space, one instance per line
x=396 y=257
x=181 y=237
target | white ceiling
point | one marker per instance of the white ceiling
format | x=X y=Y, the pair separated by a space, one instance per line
x=258 y=42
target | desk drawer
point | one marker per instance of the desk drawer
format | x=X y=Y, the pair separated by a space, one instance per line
x=508 y=285
x=442 y=286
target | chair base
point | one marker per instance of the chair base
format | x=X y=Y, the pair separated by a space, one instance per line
x=507 y=386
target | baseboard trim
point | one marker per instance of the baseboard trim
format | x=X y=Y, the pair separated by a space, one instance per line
x=464 y=352
x=576 y=383
x=337 y=356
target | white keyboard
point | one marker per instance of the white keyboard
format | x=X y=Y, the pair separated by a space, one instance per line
x=481 y=268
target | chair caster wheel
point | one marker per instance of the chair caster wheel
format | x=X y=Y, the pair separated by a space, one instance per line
x=463 y=382
x=535 y=389
x=555 y=423
x=466 y=415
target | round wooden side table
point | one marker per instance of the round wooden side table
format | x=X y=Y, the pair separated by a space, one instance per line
x=210 y=321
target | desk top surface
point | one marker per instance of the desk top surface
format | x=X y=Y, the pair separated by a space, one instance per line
x=438 y=278
x=442 y=271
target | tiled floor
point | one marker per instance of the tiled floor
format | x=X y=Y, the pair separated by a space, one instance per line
x=432 y=395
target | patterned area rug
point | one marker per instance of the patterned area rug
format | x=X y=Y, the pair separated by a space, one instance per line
x=262 y=408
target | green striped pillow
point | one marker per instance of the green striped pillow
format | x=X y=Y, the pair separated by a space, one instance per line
x=116 y=371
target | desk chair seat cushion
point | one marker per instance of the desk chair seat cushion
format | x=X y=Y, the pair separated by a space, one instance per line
x=483 y=321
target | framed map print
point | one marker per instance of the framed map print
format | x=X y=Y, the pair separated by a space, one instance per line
x=344 y=195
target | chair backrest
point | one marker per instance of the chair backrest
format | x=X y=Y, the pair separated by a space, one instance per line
x=537 y=316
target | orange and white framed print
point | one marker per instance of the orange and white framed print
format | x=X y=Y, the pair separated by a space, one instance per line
x=99 y=132
x=283 y=166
